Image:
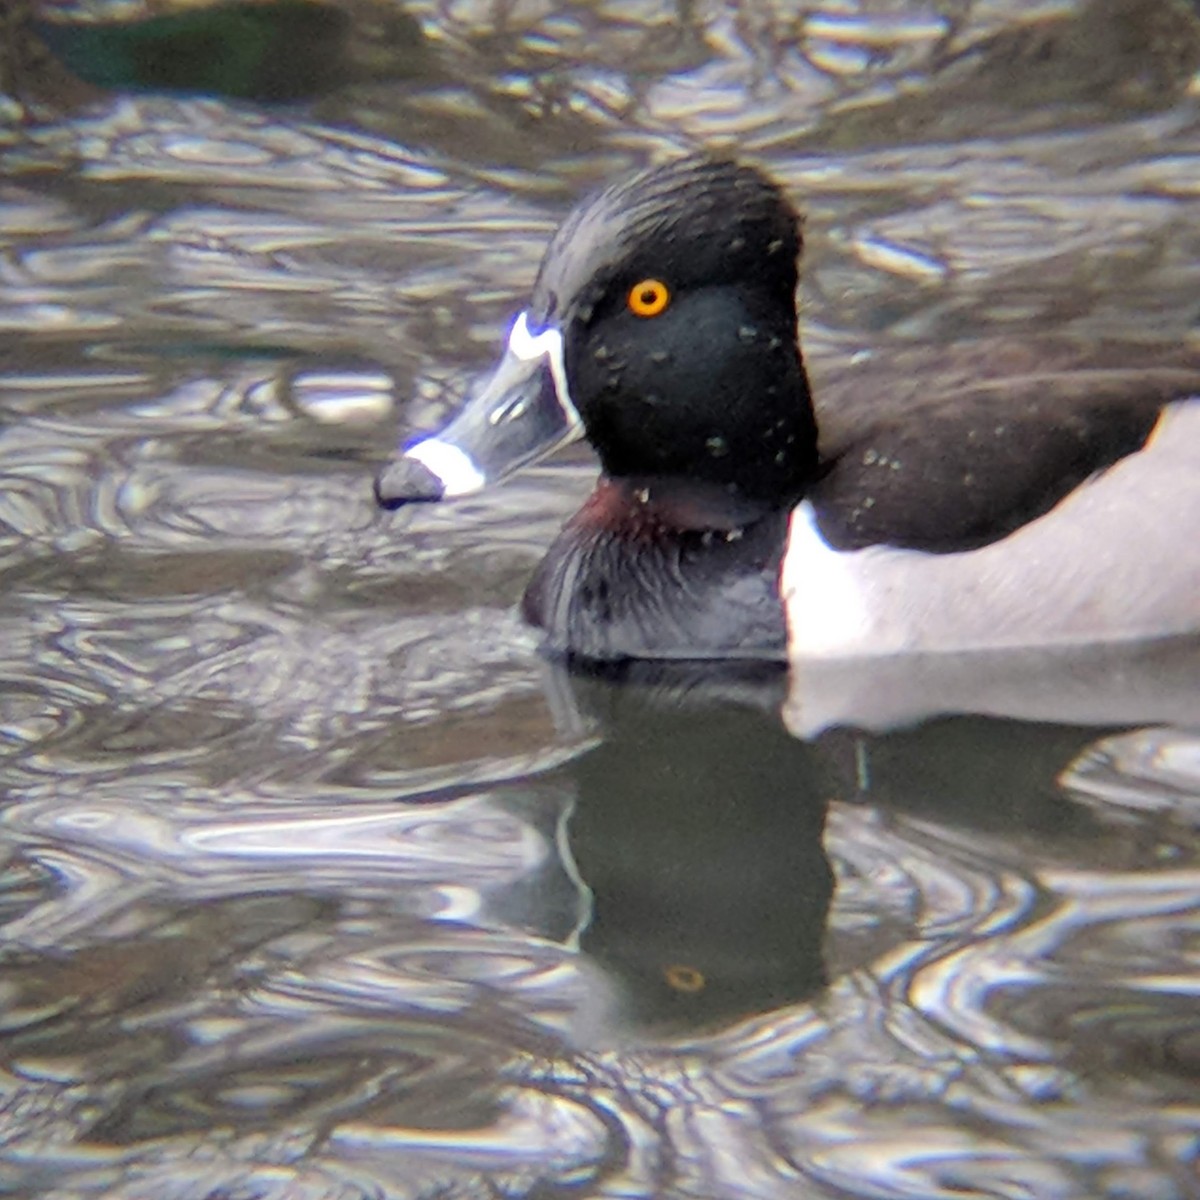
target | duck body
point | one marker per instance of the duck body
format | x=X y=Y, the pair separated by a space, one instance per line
x=733 y=520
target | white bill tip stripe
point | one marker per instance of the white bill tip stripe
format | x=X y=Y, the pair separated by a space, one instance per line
x=459 y=475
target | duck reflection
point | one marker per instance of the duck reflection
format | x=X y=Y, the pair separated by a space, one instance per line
x=697 y=830
x=698 y=821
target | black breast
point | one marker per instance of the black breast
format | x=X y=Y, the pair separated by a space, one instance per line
x=630 y=578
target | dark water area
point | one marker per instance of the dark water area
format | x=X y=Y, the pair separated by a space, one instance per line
x=316 y=879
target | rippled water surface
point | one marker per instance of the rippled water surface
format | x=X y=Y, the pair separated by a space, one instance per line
x=317 y=880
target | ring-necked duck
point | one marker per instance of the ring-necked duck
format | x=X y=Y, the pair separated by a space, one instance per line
x=1050 y=508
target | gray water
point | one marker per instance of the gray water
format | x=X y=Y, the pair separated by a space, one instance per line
x=318 y=881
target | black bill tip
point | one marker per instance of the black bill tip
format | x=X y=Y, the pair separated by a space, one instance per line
x=407 y=481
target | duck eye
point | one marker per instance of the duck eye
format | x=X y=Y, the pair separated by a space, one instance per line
x=683 y=978
x=648 y=298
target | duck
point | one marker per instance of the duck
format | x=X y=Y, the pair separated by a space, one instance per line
x=738 y=518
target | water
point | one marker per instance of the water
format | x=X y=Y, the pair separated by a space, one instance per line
x=318 y=881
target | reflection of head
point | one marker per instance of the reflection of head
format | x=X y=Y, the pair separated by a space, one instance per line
x=698 y=830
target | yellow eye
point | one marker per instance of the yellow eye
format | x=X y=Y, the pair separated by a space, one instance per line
x=683 y=978
x=648 y=298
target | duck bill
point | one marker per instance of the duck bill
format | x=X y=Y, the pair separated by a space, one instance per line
x=518 y=415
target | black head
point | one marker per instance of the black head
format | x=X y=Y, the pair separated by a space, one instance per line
x=663 y=326
x=675 y=291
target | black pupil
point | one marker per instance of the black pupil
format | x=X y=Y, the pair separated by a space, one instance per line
x=649 y=295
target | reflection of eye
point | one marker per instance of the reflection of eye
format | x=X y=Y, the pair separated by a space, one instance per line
x=648 y=298
x=683 y=978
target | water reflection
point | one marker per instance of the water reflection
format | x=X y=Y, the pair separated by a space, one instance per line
x=696 y=830
x=697 y=826
x=279 y=51
x=476 y=981
x=1135 y=683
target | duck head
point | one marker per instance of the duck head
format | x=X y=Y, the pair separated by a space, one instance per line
x=662 y=327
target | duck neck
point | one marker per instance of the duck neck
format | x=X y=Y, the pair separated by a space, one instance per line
x=641 y=507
